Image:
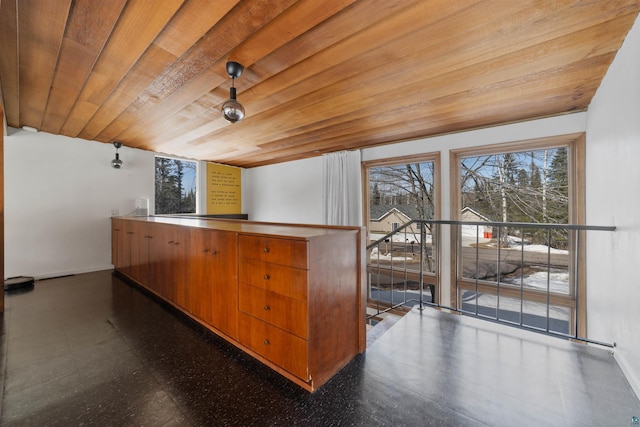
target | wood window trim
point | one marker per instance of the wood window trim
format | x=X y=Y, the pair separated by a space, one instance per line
x=576 y=160
x=434 y=157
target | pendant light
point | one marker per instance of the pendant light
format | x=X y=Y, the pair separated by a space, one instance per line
x=232 y=110
x=117 y=163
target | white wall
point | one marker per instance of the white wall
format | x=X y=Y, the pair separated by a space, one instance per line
x=285 y=192
x=613 y=179
x=59 y=195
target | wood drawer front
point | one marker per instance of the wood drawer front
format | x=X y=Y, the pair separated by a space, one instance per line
x=278 y=251
x=285 y=350
x=284 y=312
x=287 y=281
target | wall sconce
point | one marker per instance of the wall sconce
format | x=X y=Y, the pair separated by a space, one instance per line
x=117 y=163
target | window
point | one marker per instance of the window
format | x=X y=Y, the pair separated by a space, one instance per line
x=176 y=186
x=520 y=269
x=401 y=190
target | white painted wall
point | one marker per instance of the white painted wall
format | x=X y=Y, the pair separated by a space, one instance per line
x=286 y=192
x=613 y=179
x=59 y=196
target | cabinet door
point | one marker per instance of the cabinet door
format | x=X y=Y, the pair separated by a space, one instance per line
x=166 y=241
x=224 y=308
x=137 y=244
x=122 y=233
x=200 y=274
x=142 y=248
x=212 y=279
x=117 y=234
x=178 y=270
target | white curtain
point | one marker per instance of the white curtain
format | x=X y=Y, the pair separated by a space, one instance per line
x=342 y=189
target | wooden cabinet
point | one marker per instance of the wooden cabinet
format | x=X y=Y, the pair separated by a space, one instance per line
x=291 y=296
x=122 y=237
x=212 y=279
x=298 y=300
x=171 y=271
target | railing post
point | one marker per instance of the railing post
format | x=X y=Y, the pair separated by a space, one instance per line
x=422 y=254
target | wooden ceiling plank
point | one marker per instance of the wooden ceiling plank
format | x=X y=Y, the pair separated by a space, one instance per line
x=327 y=55
x=510 y=99
x=140 y=23
x=298 y=18
x=206 y=55
x=199 y=16
x=89 y=26
x=448 y=64
x=40 y=30
x=387 y=128
x=359 y=26
x=9 y=68
x=340 y=25
x=334 y=105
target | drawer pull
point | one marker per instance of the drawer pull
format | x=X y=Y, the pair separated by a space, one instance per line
x=267 y=277
x=206 y=251
x=214 y=252
x=170 y=242
x=266 y=342
x=267 y=308
x=266 y=250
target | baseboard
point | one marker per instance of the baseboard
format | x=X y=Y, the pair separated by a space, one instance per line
x=631 y=376
x=55 y=274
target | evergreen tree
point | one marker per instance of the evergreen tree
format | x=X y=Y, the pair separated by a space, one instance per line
x=170 y=194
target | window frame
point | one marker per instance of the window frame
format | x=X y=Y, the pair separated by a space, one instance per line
x=430 y=278
x=576 y=160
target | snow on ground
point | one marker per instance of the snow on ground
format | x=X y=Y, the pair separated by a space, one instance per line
x=376 y=255
x=541 y=248
x=558 y=281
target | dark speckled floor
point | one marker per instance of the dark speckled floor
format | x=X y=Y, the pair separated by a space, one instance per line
x=92 y=350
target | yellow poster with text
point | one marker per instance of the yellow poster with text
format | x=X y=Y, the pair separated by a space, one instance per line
x=224 y=189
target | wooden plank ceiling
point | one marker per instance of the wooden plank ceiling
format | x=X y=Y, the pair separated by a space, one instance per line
x=320 y=76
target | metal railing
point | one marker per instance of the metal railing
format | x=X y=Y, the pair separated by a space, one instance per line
x=528 y=275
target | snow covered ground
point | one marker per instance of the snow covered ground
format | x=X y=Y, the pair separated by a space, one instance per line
x=558 y=281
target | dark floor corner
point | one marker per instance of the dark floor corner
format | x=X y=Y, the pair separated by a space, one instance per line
x=92 y=349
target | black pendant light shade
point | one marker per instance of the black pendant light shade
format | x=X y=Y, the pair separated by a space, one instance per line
x=232 y=110
x=117 y=163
